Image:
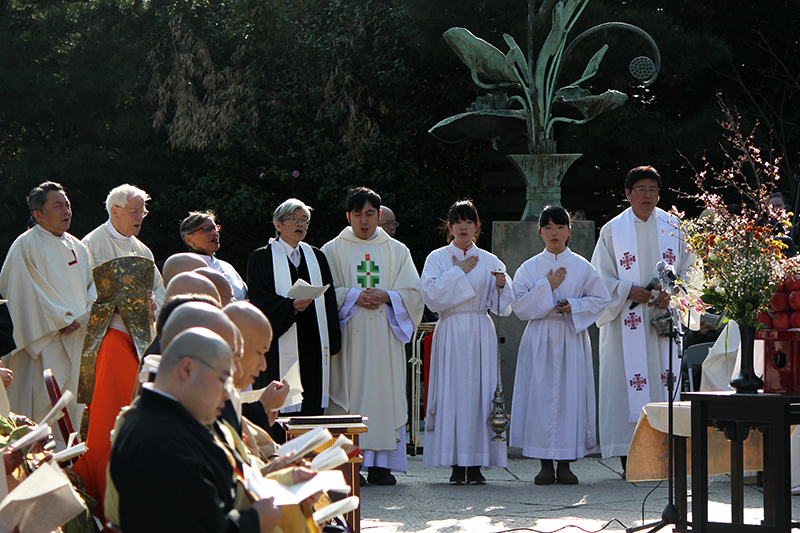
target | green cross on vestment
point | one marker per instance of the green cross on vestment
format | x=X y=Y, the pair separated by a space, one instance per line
x=367 y=273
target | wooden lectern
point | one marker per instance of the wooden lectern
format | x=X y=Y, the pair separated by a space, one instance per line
x=351 y=426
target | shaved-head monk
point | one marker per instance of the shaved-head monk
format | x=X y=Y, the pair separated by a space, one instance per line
x=192 y=283
x=182 y=262
x=220 y=282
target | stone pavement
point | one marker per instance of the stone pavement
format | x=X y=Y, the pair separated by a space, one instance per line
x=424 y=501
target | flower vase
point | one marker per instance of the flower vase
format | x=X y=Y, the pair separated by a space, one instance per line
x=747 y=382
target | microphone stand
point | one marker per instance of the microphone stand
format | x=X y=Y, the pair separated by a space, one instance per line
x=670 y=515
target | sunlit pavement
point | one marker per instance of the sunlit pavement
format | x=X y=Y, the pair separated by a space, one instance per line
x=424 y=501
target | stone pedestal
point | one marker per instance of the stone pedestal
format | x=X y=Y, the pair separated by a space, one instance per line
x=514 y=243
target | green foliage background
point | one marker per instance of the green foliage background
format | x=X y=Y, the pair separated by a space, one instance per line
x=341 y=93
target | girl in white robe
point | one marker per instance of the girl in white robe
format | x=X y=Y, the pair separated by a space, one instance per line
x=560 y=294
x=460 y=282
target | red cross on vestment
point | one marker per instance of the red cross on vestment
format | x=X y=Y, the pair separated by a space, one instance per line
x=638 y=382
x=664 y=378
x=75 y=261
x=633 y=320
x=626 y=260
x=669 y=256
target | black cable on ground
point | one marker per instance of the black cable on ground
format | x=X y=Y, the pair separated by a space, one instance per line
x=565 y=527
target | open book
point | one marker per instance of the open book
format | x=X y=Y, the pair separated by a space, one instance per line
x=305 y=443
x=262 y=487
x=342 y=451
x=43 y=501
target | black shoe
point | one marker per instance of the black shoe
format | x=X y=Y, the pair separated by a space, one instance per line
x=564 y=475
x=459 y=475
x=361 y=480
x=474 y=476
x=380 y=476
x=547 y=474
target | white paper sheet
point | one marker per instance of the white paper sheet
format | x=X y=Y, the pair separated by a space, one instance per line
x=302 y=290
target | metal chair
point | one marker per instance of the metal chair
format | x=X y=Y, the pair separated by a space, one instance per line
x=693 y=358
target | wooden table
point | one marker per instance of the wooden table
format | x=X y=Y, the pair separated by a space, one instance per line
x=349 y=469
x=735 y=415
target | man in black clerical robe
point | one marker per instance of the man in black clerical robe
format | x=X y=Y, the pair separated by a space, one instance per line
x=282 y=313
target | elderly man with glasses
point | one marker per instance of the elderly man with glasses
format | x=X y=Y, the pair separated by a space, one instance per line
x=129 y=287
x=118 y=236
x=200 y=233
x=307 y=330
x=633 y=357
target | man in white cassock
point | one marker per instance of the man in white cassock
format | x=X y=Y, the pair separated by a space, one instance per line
x=633 y=358
x=380 y=306
x=47 y=278
x=117 y=237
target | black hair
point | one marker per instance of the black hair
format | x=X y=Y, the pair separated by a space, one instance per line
x=554 y=214
x=642 y=173
x=358 y=197
x=38 y=197
x=464 y=210
x=193 y=223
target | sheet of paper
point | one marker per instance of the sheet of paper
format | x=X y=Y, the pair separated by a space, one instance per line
x=44 y=501
x=69 y=453
x=295 y=397
x=250 y=396
x=54 y=414
x=5 y=405
x=36 y=434
x=335 y=509
x=302 y=290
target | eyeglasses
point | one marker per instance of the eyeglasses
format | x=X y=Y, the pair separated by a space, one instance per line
x=227 y=378
x=643 y=190
x=207 y=229
x=136 y=212
x=295 y=220
x=389 y=224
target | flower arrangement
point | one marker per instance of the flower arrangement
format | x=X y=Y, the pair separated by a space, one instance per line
x=738 y=247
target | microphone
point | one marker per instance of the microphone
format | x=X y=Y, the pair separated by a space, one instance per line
x=667 y=273
x=649 y=287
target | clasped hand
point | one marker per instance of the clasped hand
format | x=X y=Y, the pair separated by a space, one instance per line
x=373 y=298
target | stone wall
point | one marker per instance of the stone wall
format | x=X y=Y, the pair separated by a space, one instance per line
x=514 y=243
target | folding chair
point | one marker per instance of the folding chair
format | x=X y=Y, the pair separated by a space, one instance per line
x=64 y=423
x=693 y=358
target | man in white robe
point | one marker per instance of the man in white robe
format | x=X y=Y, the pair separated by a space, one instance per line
x=47 y=278
x=380 y=306
x=633 y=358
x=117 y=237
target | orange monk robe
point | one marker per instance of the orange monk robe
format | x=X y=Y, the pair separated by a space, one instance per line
x=115 y=375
